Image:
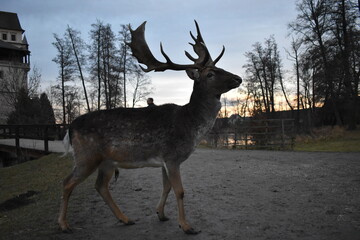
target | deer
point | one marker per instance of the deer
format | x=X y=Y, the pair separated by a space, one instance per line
x=163 y=136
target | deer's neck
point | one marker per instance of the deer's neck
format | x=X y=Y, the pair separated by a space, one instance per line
x=201 y=113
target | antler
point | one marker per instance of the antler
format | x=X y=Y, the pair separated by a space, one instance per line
x=142 y=52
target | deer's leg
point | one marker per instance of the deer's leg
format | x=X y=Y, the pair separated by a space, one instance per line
x=102 y=186
x=164 y=195
x=78 y=175
x=175 y=180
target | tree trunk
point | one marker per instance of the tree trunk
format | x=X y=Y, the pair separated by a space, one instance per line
x=79 y=68
x=98 y=70
x=63 y=90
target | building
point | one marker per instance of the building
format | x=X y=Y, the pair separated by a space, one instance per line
x=14 y=62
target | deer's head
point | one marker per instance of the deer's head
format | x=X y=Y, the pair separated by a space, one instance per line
x=206 y=75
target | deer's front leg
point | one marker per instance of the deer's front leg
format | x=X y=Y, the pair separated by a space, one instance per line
x=175 y=180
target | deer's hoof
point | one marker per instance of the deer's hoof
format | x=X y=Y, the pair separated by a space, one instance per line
x=64 y=227
x=191 y=231
x=66 y=230
x=128 y=223
x=162 y=218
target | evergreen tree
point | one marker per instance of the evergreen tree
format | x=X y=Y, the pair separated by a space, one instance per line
x=47 y=112
x=31 y=110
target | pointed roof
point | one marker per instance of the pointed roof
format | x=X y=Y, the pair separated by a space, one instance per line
x=24 y=41
x=10 y=21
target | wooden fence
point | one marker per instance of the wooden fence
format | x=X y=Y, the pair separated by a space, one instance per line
x=41 y=132
x=272 y=134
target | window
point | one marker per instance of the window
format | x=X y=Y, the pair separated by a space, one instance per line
x=13 y=37
x=4 y=36
x=1 y=74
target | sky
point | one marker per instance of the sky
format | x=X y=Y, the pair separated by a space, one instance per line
x=236 y=24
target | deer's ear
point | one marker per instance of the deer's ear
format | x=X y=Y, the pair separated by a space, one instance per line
x=193 y=74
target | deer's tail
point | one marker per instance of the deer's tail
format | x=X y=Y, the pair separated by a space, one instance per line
x=67 y=143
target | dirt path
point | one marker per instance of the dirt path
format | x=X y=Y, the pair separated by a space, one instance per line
x=232 y=195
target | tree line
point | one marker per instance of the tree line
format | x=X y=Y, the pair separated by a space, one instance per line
x=108 y=74
x=325 y=51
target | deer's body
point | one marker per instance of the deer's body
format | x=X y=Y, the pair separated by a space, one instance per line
x=144 y=137
x=162 y=136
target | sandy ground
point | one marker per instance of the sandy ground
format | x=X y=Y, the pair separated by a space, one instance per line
x=232 y=195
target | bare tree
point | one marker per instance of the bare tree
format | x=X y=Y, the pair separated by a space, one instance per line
x=65 y=64
x=78 y=49
x=110 y=72
x=264 y=70
x=225 y=103
x=13 y=81
x=330 y=32
x=104 y=69
x=294 y=55
x=127 y=61
x=346 y=32
x=95 y=57
x=313 y=25
x=142 y=88
x=34 y=81
x=73 y=103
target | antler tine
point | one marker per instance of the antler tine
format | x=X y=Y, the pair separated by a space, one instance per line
x=168 y=60
x=189 y=56
x=221 y=54
x=143 y=54
x=199 y=36
x=199 y=48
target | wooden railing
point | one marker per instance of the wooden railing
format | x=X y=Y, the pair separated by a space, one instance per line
x=40 y=132
x=271 y=134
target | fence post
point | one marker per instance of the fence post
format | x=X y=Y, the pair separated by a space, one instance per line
x=246 y=140
x=58 y=132
x=17 y=142
x=282 y=133
x=235 y=138
x=292 y=137
x=46 y=140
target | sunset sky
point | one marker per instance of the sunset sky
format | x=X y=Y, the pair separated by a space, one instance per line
x=236 y=24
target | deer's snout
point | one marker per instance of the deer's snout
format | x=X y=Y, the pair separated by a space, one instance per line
x=236 y=81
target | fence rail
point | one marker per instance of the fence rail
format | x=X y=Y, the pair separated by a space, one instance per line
x=44 y=132
x=275 y=134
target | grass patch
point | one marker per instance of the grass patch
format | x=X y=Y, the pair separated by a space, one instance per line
x=43 y=177
x=329 y=139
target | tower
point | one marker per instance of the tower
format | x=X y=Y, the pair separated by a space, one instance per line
x=14 y=62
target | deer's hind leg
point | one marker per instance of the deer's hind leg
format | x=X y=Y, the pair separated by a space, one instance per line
x=78 y=175
x=166 y=189
x=105 y=174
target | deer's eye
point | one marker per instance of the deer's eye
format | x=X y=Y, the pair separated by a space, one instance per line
x=210 y=74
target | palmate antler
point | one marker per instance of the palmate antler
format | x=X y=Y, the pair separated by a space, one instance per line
x=142 y=52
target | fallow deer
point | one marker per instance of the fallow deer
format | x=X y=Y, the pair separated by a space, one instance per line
x=162 y=136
